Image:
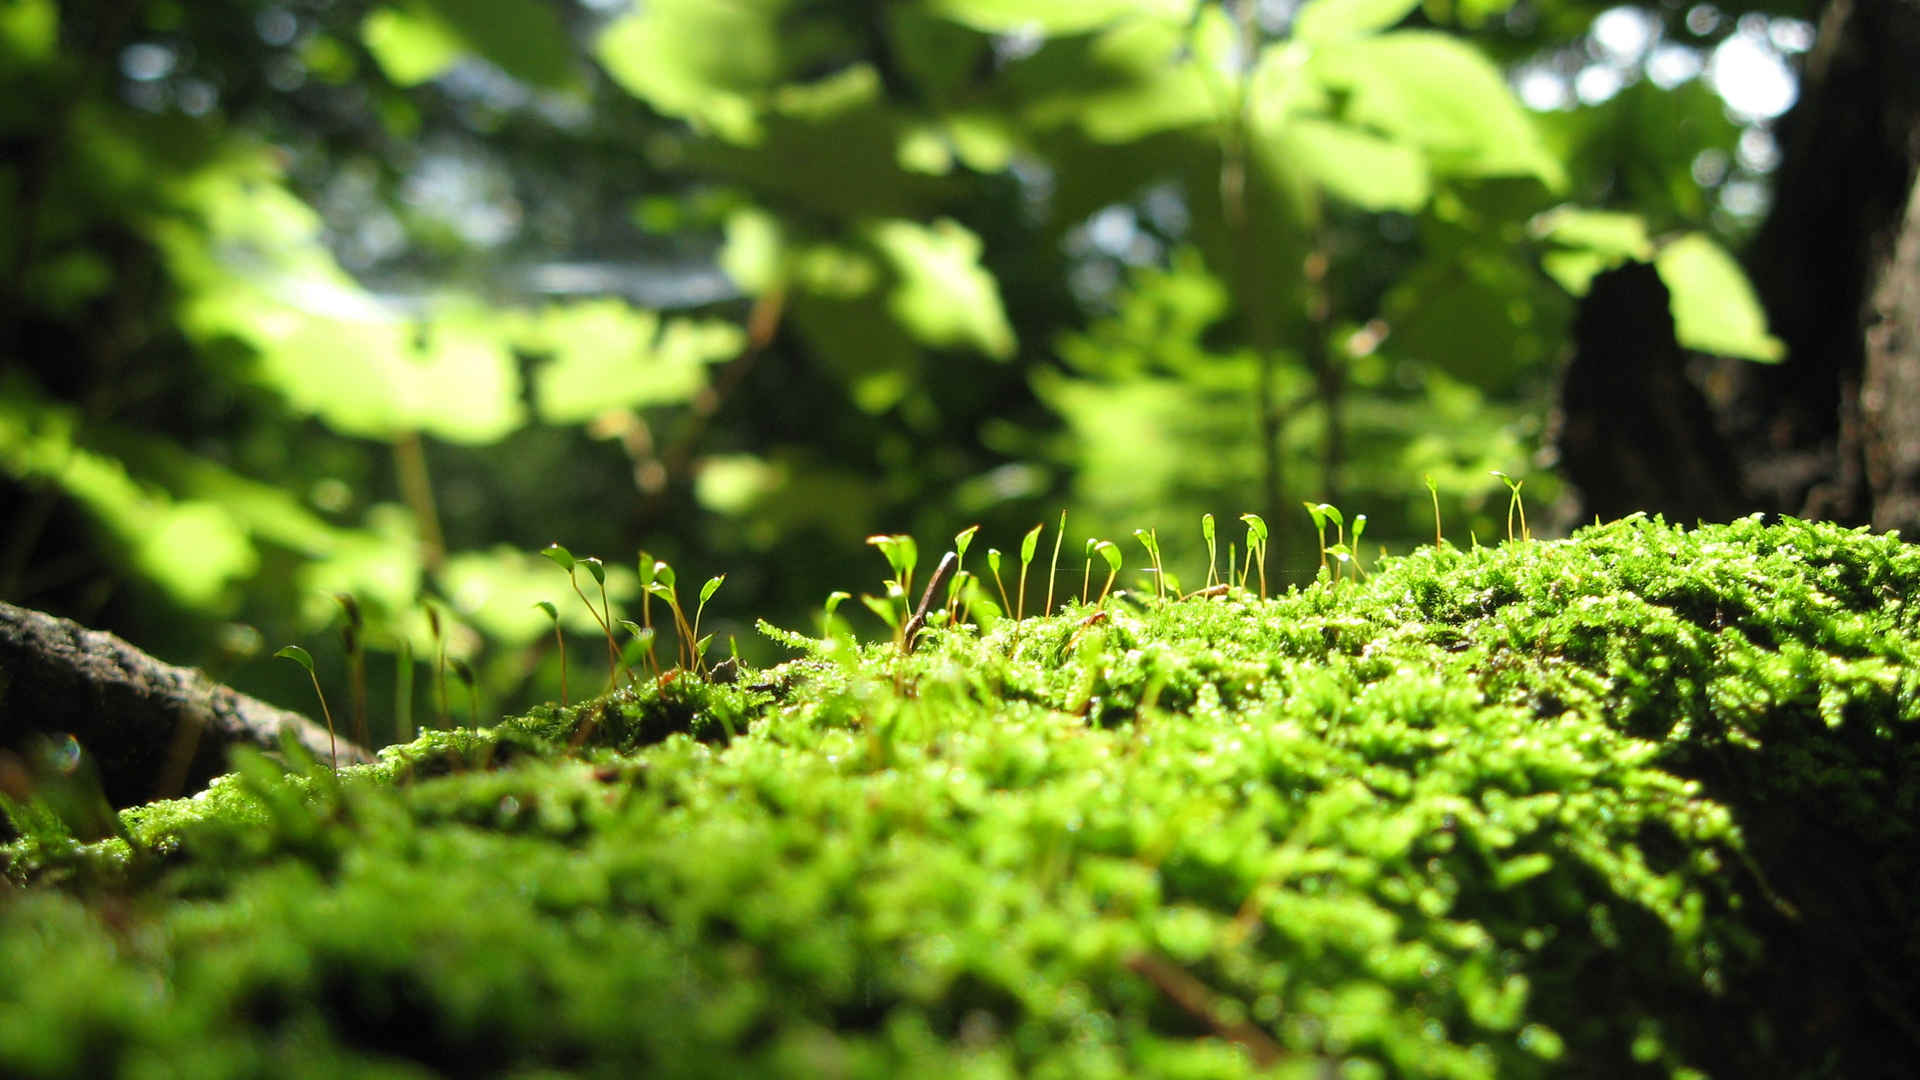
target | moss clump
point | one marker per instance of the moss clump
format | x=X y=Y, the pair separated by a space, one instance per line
x=1635 y=803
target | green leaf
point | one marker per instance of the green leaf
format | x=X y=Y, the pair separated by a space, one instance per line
x=1028 y=542
x=1431 y=90
x=1206 y=528
x=296 y=654
x=646 y=569
x=525 y=38
x=1110 y=552
x=663 y=574
x=704 y=62
x=942 y=296
x=412 y=47
x=606 y=354
x=1137 y=78
x=596 y=568
x=1356 y=166
x=560 y=556
x=553 y=613
x=712 y=586
x=1714 y=306
x=962 y=539
x=1324 y=21
x=1057 y=16
x=1256 y=527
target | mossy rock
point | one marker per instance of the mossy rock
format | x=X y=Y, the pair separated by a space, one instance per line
x=1640 y=802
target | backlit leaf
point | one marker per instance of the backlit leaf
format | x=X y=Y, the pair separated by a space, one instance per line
x=1057 y=16
x=1714 y=306
x=943 y=296
x=1330 y=20
x=412 y=47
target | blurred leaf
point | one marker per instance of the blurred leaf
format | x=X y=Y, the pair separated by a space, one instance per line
x=943 y=296
x=1132 y=80
x=606 y=355
x=1057 y=16
x=1325 y=21
x=1714 y=307
x=296 y=654
x=29 y=31
x=704 y=62
x=253 y=269
x=1476 y=313
x=503 y=592
x=1586 y=242
x=1363 y=169
x=525 y=38
x=411 y=46
x=1438 y=93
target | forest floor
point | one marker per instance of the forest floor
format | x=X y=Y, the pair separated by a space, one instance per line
x=1640 y=802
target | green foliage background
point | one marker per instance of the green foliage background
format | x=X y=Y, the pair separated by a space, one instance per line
x=307 y=298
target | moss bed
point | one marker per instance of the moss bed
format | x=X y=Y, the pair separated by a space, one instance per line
x=1640 y=802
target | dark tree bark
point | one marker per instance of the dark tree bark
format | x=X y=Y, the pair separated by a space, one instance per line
x=1833 y=432
x=153 y=730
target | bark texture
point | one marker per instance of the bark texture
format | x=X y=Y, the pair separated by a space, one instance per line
x=1833 y=432
x=154 y=730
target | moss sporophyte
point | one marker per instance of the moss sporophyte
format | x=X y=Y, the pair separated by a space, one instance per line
x=1512 y=811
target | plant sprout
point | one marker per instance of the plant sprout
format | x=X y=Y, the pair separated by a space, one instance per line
x=465 y=674
x=1150 y=540
x=646 y=565
x=993 y=564
x=1433 y=491
x=564 y=560
x=961 y=540
x=901 y=554
x=664 y=587
x=1514 y=505
x=300 y=656
x=1213 y=551
x=700 y=644
x=1109 y=551
x=834 y=599
x=1256 y=548
x=1054 y=567
x=1027 y=545
x=560 y=644
x=352 y=635
x=439 y=660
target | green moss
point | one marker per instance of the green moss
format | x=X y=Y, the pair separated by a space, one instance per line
x=1638 y=802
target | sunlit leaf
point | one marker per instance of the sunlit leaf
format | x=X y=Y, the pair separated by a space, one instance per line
x=296 y=654
x=943 y=296
x=701 y=61
x=1714 y=306
x=560 y=556
x=1135 y=79
x=1436 y=92
x=1330 y=20
x=410 y=46
x=1361 y=168
x=1056 y=16
x=605 y=354
x=712 y=586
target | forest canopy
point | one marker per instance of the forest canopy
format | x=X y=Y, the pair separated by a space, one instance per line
x=320 y=298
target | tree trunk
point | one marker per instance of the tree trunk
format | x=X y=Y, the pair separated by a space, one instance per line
x=152 y=729
x=1833 y=432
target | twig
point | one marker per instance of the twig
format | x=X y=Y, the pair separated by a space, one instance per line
x=919 y=620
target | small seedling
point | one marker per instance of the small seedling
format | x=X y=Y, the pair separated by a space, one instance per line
x=892 y=610
x=1514 y=505
x=646 y=565
x=1213 y=551
x=300 y=656
x=1433 y=491
x=439 y=659
x=1086 y=571
x=1256 y=548
x=564 y=560
x=1054 y=567
x=353 y=637
x=664 y=587
x=901 y=554
x=464 y=673
x=1027 y=545
x=961 y=540
x=993 y=564
x=700 y=644
x=1109 y=551
x=559 y=644
x=834 y=599
x=1150 y=540
x=639 y=640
